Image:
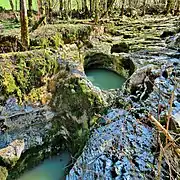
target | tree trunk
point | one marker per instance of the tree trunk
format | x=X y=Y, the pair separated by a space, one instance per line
x=60 y=7
x=130 y=7
x=84 y=5
x=50 y=9
x=90 y=5
x=93 y=6
x=96 y=11
x=108 y=8
x=144 y=8
x=122 y=8
x=66 y=9
x=12 y=8
x=39 y=4
x=16 y=5
x=24 y=25
x=169 y=6
x=69 y=9
x=30 y=7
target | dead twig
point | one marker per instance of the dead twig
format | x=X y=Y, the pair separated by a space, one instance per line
x=161 y=128
x=170 y=111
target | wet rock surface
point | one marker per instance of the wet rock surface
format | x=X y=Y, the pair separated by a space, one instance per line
x=124 y=146
x=120 y=150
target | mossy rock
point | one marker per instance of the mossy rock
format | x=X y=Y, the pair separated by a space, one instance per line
x=120 y=47
x=57 y=35
x=76 y=101
x=22 y=72
x=9 y=43
x=3 y=173
x=74 y=95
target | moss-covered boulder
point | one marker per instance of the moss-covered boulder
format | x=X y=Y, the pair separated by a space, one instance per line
x=43 y=126
x=10 y=155
x=56 y=35
x=23 y=74
x=120 y=47
x=3 y=173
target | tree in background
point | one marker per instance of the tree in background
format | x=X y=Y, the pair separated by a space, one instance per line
x=60 y=7
x=169 y=6
x=144 y=7
x=24 y=25
x=122 y=8
x=96 y=12
x=12 y=8
x=30 y=7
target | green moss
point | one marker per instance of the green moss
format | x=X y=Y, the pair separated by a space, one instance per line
x=3 y=173
x=57 y=41
x=92 y=97
x=9 y=162
x=56 y=35
x=79 y=139
x=22 y=73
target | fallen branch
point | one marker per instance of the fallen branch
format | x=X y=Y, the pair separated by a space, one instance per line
x=161 y=128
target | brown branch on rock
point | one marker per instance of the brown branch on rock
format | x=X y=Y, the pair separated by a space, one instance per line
x=161 y=128
x=170 y=110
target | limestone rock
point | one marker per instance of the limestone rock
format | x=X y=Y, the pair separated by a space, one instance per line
x=120 y=47
x=114 y=151
x=174 y=42
x=10 y=154
x=167 y=33
x=138 y=78
x=3 y=173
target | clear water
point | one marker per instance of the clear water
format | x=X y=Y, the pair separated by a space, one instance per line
x=105 y=79
x=50 y=169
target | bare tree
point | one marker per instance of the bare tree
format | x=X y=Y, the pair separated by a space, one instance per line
x=169 y=6
x=12 y=8
x=96 y=11
x=24 y=24
x=30 y=7
x=122 y=8
x=144 y=7
x=66 y=8
x=39 y=4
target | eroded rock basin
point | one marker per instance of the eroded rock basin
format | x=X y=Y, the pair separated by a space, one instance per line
x=104 y=78
x=50 y=169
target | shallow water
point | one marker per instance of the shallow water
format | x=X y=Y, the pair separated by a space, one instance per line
x=105 y=79
x=50 y=169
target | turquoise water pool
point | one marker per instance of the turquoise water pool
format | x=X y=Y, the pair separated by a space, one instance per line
x=50 y=169
x=105 y=79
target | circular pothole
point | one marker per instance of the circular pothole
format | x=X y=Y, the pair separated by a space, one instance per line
x=104 y=78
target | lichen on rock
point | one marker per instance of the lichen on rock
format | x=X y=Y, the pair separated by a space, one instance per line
x=3 y=173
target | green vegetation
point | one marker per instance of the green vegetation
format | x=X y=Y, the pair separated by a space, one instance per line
x=5 y=4
x=25 y=76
